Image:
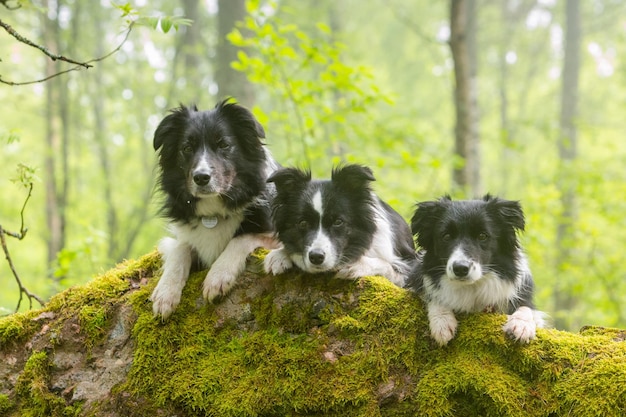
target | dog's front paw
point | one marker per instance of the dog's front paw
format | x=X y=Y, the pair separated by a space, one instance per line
x=277 y=261
x=521 y=325
x=352 y=272
x=165 y=298
x=365 y=266
x=442 y=324
x=368 y=266
x=218 y=282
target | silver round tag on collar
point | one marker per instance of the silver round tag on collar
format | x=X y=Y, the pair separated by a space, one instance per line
x=209 y=222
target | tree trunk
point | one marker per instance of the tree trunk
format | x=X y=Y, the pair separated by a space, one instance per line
x=100 y=137
x=187 y=62
x=56 y=137
x=139 y=216
x=565 y=299
x=466 y=173
x=230 y=82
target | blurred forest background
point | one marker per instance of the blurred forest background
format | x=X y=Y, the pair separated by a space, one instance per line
x=525 y=99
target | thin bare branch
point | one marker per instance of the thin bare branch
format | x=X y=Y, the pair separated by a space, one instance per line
x=5 y=3
x=22 y=233
x=12 y=83
x=78 y=66
x=126 y=35
x=19 y=236
x=23 y=289
x=43 y=49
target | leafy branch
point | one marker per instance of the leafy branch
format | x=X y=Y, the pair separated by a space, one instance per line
x=25 y=177
x=307 y=73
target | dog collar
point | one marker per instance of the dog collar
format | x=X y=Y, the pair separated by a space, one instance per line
x=209 y=221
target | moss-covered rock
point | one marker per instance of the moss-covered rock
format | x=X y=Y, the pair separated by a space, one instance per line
x=291 y=345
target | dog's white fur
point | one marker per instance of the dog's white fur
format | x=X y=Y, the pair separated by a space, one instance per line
x=483 y=292
x=215 y=247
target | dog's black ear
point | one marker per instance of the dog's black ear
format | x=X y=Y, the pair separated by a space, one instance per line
x=172 y=125
x=352 y=176
x=508 y=210
x=290 y=179
x=423 y=222
x=241 y=116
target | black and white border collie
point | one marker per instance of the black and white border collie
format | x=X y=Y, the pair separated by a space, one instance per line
x=472 y=261
x=338 y=225
x=213 y=172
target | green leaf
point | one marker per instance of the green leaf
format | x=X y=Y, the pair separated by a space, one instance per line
x=236 y=38
x=165 y=22
x=324 y=28
x=25 y=175
x=151 y=22
x=242 y=57
x=166 y=25
x=126 y=9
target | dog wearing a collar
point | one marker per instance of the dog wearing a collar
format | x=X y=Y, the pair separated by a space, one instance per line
x=213 y=172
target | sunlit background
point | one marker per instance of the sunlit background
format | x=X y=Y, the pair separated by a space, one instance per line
x=351 y=80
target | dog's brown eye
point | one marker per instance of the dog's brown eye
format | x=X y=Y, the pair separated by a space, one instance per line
x=338 y=223
x=483 y=236
x=446 y=237
x=223 y=144
x=303 y=225
x=187 y=149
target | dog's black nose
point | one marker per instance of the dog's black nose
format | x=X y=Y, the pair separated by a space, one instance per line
x=316 y=257
x=201 y=179
x=461 y=268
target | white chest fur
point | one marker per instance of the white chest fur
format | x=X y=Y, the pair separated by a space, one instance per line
x=208 y=242
x=488 y=291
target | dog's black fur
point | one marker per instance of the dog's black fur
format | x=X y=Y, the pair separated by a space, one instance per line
x=338 y=225
x=231 y=134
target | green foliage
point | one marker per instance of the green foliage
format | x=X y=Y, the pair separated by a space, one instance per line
x=308 y=73
x=67 y=258
x=10 y=137
x=135 y=17
x=25 y=175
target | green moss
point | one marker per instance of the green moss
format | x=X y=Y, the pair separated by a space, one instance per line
x=282 y=367
x=318 y=346
x=91 y=303
x=361 y=348
x=93 y=322
x=33 y=395
x=5 y=404
x=108 y=287
x=17 y=327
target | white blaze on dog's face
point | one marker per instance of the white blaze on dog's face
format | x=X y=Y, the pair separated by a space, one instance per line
x=319 y=253
x=324 y=225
